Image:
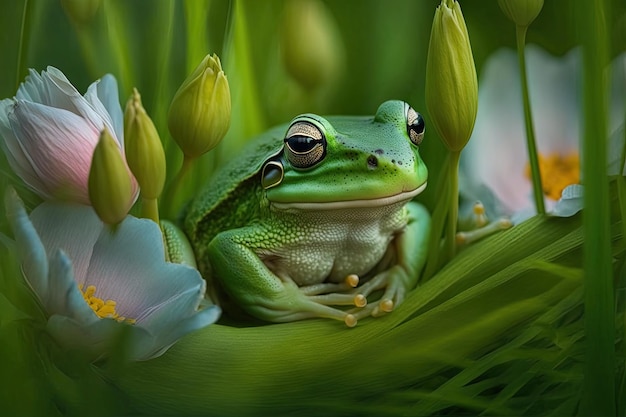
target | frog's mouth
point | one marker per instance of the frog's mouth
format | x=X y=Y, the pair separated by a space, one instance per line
x=347 y=204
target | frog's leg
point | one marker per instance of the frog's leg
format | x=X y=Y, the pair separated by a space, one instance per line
x=482 y=226
x=409 y=250
x=259 y=291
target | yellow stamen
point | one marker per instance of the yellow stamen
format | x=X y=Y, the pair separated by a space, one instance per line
x=557 y=172
x=102 y=308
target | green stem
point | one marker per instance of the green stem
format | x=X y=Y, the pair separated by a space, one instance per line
x=598 y=394
x=453 y=201
x=196 y=18
x=150 y=209
x=622 y=163
x=528 y=119
x=118 y=41
x=89 y=49
x=23 y=47
x=166 y=14
x=437 y=223
x=172 y=191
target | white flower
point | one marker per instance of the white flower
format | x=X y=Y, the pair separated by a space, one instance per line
x=49 y=132
x=496 y=155
x=64 y=248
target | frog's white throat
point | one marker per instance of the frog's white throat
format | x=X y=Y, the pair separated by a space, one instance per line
x=348 y=204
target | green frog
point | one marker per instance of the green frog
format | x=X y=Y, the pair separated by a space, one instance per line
x=316 y=218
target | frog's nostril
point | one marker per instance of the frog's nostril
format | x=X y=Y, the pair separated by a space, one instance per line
x=372 y=162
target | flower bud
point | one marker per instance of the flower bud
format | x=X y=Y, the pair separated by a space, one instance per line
x=80 y=11
x=144 y=151
x=110 y=188
x=199 y=114
x=310 y=44
x=451 y=83
x=522 y=12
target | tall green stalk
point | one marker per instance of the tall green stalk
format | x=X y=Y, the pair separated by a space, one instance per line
x=23 y=48
x=165 y=23
x=453 y=210
x=598 y=395
x=196 y=17
x=528 y=119
x=118 y=41
x=165 y=18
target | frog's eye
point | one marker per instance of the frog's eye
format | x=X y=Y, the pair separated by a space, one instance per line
x=415 y=125
x=305 y=145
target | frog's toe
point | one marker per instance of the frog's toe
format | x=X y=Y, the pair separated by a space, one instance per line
x=336 y=299
x=305 y=309
x=384 y=306
x=376 y=309
x=376 y=283
x=394 y=286
x=291 y=305
x=349 y=283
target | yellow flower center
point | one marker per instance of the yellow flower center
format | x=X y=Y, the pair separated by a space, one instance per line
x=103 y=309
x=557 y=172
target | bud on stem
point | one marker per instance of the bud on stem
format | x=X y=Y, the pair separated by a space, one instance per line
x=110 y=187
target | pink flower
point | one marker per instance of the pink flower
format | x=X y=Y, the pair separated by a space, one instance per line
x=495 y=158
x=49 y=132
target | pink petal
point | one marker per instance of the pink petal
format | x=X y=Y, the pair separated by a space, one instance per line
x=58 y=146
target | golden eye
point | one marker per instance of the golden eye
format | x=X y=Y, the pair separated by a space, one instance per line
x=415 y=125
x=305 y=145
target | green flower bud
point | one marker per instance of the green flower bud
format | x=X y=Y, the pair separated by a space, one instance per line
x=199 y=114
x=81 y=12
x=522 y=12
x=310 y=43
x=451 y=83
x=110 y=185
x=144 y=151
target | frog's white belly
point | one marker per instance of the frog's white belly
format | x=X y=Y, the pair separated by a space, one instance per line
x=327 y=246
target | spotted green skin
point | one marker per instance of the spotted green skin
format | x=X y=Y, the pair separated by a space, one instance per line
x=283 y=253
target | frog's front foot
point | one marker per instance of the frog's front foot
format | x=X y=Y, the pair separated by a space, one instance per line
x=394 y=284
x=322 y=300
x=295 y=303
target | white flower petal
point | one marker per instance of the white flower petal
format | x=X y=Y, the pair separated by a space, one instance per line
x=33 y=88
x=72 y=228
x=60 y=92
x=64 y=95
x=10 y=146
x=497 y=144
x=64 y=297
x=181 y=304
x=30 y=250
x=129 y=267
x=571 y=201
x=554 y=89
x=164 y=338
x=104 y=97
x=94 y=340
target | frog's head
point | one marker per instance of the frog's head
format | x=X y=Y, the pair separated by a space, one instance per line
x=339 y=162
